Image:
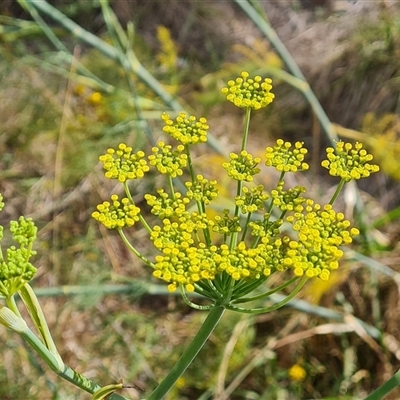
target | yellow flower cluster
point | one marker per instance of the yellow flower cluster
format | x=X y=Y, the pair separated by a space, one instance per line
x=15 y=267
x=168 y=55
x=349 y=162
x=320 y=232
x=252 y=200
x=186 y=264
x=117 y=214
x=186 y=129
x=287 y=200
x=314 y=253
x=123 y=165
x=224 y=253
x=245 y=92
x=284 y=159
x=168 y=161
x=226 y=224
x=164 y=206
x=202 y=190
x=242 y=167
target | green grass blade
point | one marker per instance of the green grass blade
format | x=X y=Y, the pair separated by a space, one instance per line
x=386 y=388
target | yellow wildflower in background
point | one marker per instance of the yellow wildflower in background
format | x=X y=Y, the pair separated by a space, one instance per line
x=95 y=98
x=297 y=373
x=168 y=55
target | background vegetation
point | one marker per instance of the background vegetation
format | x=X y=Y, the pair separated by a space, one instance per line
x=110 y=319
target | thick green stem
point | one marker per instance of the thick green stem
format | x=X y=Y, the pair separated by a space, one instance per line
x=35 y=311
x=18 y=325
x=190 y=353
x=10 y=301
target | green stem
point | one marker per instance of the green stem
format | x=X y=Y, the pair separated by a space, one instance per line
x=246 y=128
x=141 y=218
x=190 y=164
x=10 y=301
x=240 y=183
x=194 y=305
x=273 y=307
x=115 y=30
x=200 y=205
x=246 y=226
x=266 y=294
x=171 y=187
x=35 y=311
x=384 y=389
x=242 y=288
x=190 y=353
x=56 y=364
x=133 y=249
x=338 y=190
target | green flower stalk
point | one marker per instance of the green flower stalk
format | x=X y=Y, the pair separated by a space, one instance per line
x=226 y=258
x=16 y=272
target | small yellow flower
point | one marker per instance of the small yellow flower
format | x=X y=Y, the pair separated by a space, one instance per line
x=297 y=373
x=95 y=98
x=181 y=383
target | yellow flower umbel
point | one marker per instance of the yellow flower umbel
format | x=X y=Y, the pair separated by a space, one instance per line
x=117 y=213
x=245 y=92
x=122 y=164
x=168 y=161
x=186 y=129
x=349 y=161
x=284 y=159
x=225 y=257
x=15 y=267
